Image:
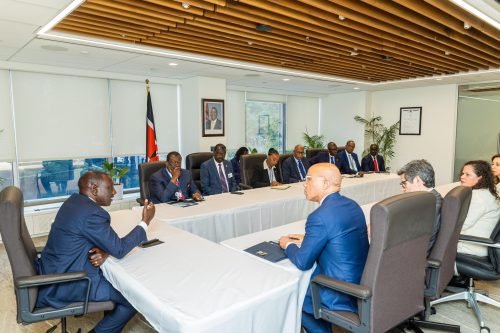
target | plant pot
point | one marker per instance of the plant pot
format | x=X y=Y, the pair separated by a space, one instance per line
x=119 y=192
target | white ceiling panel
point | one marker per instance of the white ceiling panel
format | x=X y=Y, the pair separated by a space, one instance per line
x=23 y=12
x=15 y=34
x=41 y=51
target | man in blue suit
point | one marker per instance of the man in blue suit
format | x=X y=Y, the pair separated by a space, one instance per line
x=350 y=159
x=81 y=225
x=217 y=174
x=294 y=168
x=330 y=157
x=172 y=182
x=336 y=239
x=373 y=161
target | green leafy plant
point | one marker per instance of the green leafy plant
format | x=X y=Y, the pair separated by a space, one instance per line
x=116 y=172
x=313 y=141
x=384 y=137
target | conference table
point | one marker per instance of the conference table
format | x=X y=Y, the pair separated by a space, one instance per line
x=241 y=243
x=225 y=216
x=192 y=285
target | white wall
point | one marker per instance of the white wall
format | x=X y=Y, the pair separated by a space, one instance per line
x=337 y=118
x=193 y=90
x=302 y=115
x=7 y=151
x=235 y=119
x=437 y=140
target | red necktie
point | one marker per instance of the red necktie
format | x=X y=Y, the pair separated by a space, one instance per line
x=375 y=164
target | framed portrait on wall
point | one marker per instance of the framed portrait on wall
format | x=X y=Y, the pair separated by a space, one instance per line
x=410 y=121
x=212 y=117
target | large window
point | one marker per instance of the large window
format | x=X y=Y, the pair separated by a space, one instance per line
x=265 y=125
x=6 y=176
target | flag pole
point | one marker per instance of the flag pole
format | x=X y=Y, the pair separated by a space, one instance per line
x=147 y=85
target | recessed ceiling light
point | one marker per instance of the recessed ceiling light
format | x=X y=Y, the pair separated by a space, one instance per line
x=285 y=79
x=439 y=78
x=55 y=48
x=356 y=88
x=447 y=53
x=466 y=26
x=341 y=17
x=249 y=43
x=173 y=64
x=84 y=52
x=185 y=5
x=354 y=53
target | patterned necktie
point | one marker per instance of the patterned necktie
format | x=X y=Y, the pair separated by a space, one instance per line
x=375 y=164
x=222 y=179
x=352 y=165
x=302 y=170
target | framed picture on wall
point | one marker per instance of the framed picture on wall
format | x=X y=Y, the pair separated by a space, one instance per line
x=212 y=117
x=410 y=120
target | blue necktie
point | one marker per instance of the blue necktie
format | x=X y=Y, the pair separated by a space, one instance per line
x=332 y=159
x=302 y=170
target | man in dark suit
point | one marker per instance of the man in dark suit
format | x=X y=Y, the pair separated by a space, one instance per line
x=373 y=161
x=350 y=159
x=295 y=167
x=172 y=182
x=418 y=175
x=330 y=157
x=213 y=123
x=335 y=238
x=80 y=225
x=217 y=174
x=266 y=174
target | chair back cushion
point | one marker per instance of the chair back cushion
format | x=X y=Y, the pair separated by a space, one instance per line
x=453 y=213
x=247 y=166
x=145 y=172
x=395 y=268
x=494 y=253
x=17 y=240
x=193 y=164
x=283 y=157
x=311 y=152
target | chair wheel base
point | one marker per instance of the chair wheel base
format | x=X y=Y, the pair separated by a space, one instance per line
x=484 y=329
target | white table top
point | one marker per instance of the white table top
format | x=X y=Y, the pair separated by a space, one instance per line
x=226 y=216
x=189 y=284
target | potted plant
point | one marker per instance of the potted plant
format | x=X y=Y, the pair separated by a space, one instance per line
x=313 y=141
x=384 y=137
x=116 y=173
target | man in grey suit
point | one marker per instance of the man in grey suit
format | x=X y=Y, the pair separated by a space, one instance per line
x=217 y=173
x=418 y=175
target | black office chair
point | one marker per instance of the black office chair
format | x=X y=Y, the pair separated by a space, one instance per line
x=441 y=261
x=478 y=268
x=311 y=152
x=391 y=288
x=247 y=167
x=22 y=257
x=193 y=164
x=145 y=172
x=283 y=157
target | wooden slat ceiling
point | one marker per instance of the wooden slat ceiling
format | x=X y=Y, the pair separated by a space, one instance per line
x=371 y=40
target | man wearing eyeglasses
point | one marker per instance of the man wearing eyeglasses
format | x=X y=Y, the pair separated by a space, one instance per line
x=336 y=238
x=418 y=175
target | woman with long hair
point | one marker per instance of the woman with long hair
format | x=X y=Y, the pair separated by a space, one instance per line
x=484 y=209
x=235 y=163
x=495 y=169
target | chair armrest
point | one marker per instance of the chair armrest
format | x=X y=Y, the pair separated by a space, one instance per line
x=479 y=241
x=433 y=263
x=42 y=280
x=245 y=186
x=140 y=201
x=352 y=289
